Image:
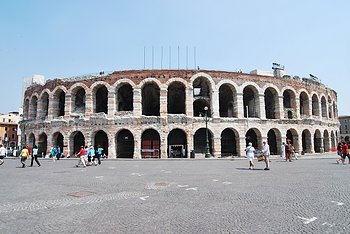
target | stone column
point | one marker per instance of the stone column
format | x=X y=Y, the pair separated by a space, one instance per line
x=112 y=153
x=297 y=108
x=137 y=102
x=300 y=143
x=51 y=109
x=262 y=112
x=281 y=110
x=189 y=103
x=215 y=104
x=89 y=108
x=321 y=145
x=240 y=108
x=67 y=147
x=216 y=145
x=68 y=105
x=111 y=102
x=242 y=146
x=163 y=145
x=137 y=145
x=190 y=145
x=163 y=102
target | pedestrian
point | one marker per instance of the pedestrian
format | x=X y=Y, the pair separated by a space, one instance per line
x=2 y=154
x=99 y=154
x=93 y=155
x=88 y=153
x=58 y=154
x=250 y=155
x=345 y=152
x=339 y=152
x=35 y=156
x=29 y=149
x=24 y=156
x=266 y=154
x=294 y=155
x=53 y=153
x=283 y=151
x=288 y=148
x=81 y=155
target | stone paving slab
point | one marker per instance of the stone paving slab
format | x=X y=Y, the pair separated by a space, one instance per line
x=176 y=196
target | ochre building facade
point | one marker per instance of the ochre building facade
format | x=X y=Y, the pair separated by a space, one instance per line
x=164 y=113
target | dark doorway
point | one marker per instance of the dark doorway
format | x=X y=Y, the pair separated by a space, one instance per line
x=42 y=144
x=272 y=141
x=176 y=98
x=78 y=141
x=228 y=143
x=177 y=144
x=78 y=101
x=125 y=98
x=61 y=103
x=252 y=137
x=101 y=98
x=150 y=99
x=250 y=102
x=226 y=101
x=58 y=140
x=270 y=103
x=125 y=144
x=101 y=139
x=200 y=141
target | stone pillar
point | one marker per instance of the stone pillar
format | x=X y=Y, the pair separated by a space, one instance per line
x=281 y=110
x=137 y=145
x=163 y=102
x=242 y=146
x=111 y=105
x=262 y=112
x=190 y=145
x=297 y=108
x=312 y=148
x=163 y=145
x=89 y=107
x=189 y=103
x=321 y=145
x=216 y=146
x=300 y=143
x=310 y=108
x=67 y=147
x=215 y=104
x=137 y=103
x=51 y=108
x=68 y=105
x=112 y=153
x=240 y=108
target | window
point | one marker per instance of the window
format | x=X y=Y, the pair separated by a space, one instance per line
x=13 y=136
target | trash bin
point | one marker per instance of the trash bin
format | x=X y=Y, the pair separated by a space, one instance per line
x=192 y=154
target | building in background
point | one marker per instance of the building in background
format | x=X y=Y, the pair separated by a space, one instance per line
x=9 y=129
x=344 y=128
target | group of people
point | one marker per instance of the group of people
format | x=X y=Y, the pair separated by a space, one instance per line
x=25 y=154
x=250 y=151
x=287 y=152
x=87 y=156
x=343 y=152
x=55 y=152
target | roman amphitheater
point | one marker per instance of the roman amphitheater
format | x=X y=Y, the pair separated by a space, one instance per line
x=164 y=113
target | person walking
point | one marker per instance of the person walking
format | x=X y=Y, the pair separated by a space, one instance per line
x=81 y=156
x=93 y=155
x=339 y=152
x=53 y=153
x=250 y=155
x=58 y=154
x=2 y=154
x=283 y=151
x=24 y=156
x=288 y=148
x=345 y=151
x=99 y=154
x=266 y=154
x=35 y=156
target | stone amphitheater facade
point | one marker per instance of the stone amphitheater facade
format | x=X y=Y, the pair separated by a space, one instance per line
x=161 y=113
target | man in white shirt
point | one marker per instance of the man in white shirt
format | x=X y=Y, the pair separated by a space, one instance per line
x=266 y=153
x=2 y=154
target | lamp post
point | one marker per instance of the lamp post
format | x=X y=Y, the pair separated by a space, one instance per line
x=207 y=150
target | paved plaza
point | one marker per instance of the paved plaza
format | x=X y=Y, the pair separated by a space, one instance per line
x=310 y=195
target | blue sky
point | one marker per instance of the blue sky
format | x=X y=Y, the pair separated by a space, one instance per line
x=75 y=37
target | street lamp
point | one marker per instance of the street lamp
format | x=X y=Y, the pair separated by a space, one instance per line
x=207 y=150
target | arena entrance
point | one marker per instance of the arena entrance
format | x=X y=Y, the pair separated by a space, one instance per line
x=306 y=141
x=150 y=144
x=228 y=143
x=253 y=136
x=77 y=139
x=274 y=140
x=200 y=141
x=42 y=144
x=317 y=141
x=125 y=144
x=177 y=144
x=101 y=139
x=292 y=135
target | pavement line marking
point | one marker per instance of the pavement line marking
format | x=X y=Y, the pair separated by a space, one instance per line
x=306 y=220
x=137 y=174
x=182 y=186
x=194 y=189
x=328 y=224
x=227 y=182
x=215 y=180
x=99 y=177
x=144 y=198
x=338 y=203
x=167 y=172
